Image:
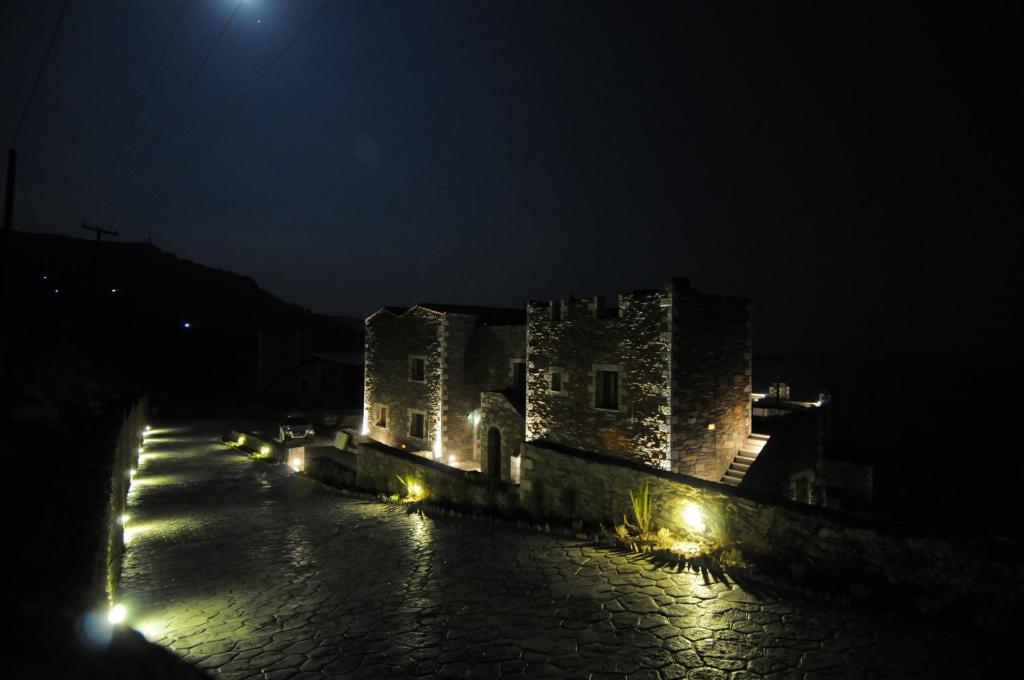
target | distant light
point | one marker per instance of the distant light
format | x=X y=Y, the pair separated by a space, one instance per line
x=117 y=614
x=694 y=517
x=113 y=290
x=187 y=325
x=56 y=291
x=45 y=277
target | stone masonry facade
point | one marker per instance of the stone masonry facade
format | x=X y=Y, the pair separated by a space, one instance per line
x=663 y=377
x=464 y=351
x=681 y=360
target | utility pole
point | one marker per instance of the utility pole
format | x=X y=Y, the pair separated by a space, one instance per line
x=96 y=249
x=5 y=237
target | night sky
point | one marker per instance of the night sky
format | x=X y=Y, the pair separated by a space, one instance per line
x=852 y=169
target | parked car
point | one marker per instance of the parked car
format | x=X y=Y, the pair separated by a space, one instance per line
x=295 y=426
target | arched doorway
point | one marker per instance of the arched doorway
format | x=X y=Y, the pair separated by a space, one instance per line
x=494 y=453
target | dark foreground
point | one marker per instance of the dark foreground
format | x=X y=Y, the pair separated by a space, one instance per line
x=250 y=571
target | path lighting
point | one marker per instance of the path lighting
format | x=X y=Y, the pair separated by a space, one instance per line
x=693 y=516
x=123 y=519
x=415 y=490
x=264 y=450
x=117 y=614
x=139 y=450
x=241 y=439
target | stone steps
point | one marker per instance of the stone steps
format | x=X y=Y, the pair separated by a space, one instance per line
x=745 y=457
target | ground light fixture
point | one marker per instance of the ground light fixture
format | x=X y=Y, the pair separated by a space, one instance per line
x=693 y=517
x=264 y=450
x=123 y=520
x=117 y=614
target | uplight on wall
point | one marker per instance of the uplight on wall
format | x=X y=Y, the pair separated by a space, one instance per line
x=693 y=517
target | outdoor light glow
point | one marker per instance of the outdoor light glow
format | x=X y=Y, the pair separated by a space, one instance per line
x=686 y=548
x=113 y=290
x=437 y=443
x=146 y=429
x=187 y=325
x=694 y=517
x=711 y=426
x=365 y=429
x=117 y=614
x=140 y=450
x=123 y=519
x=241 y=439
x=265 y=450
x=415 y=490
x=451 y=460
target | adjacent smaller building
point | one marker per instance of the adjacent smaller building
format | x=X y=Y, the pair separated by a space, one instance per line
x=426 y=367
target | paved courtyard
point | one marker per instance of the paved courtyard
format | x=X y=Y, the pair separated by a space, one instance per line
x=250 y=571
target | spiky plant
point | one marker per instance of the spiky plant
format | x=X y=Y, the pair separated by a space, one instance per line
x=642 y=510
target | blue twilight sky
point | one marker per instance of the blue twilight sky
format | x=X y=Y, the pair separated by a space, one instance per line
x=850 y=168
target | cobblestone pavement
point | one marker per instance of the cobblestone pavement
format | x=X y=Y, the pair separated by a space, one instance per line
x=252 y=572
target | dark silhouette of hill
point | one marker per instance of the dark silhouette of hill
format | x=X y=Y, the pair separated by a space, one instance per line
x=137 y=312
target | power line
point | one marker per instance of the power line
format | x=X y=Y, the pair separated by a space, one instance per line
x=174 y=110
x=138 y=108
x=39 y=74
x=238 y=102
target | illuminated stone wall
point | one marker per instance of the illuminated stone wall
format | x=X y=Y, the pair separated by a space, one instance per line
x=390 y=340
x=464 y=357
x=684 y=361
x=631 y=337
x=559 y=483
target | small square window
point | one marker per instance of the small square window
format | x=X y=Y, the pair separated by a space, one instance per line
x=606 y=390
x=418 y=426
x=382 y=416
x=417 y=369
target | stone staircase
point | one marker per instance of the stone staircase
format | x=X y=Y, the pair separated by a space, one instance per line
x=744 y=459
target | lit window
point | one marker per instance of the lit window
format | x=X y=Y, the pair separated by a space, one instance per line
x=418 y=426
x=382 y=416
x=606 y=390
x=418 y=369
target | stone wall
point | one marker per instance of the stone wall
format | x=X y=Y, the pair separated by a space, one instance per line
x=580 y=336
x=711 y=380
x=562 y=483
x=460 y=394
x=390 y=342
x=496 y=411
x=379 y=466
x=107 y=568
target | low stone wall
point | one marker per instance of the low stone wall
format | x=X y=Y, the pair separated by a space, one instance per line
x=563 y=483
x=107 y=570
x=360 y=463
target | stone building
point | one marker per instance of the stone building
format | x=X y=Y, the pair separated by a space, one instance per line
x=426 y=367
x=664 y=377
